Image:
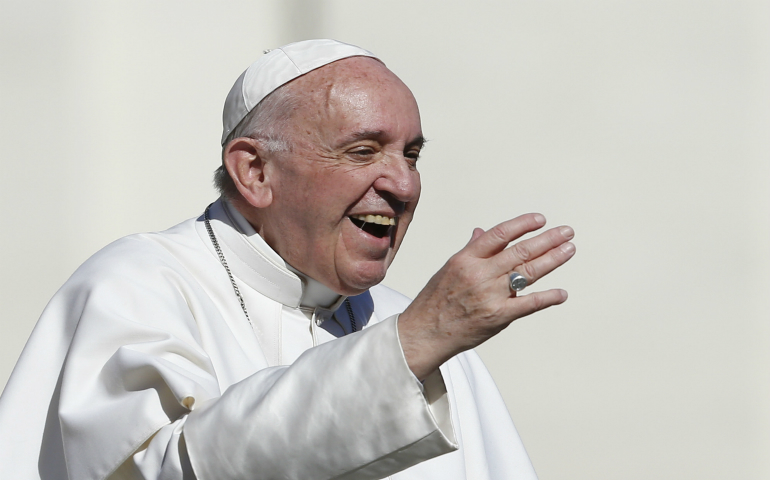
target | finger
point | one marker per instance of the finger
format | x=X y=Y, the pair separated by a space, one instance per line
x=524 y=305
x=498 y=237
x=545 y=264
x=528 y=250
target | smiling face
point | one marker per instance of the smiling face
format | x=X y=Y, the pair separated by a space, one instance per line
x=344 y=194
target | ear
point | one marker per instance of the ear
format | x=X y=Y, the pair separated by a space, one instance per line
x=245 y=162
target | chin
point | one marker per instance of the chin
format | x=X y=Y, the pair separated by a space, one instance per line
x=363 y=279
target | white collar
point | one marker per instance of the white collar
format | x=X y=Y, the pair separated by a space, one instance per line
x=285 y=284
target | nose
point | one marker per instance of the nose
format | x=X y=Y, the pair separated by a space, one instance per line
x=400 y=178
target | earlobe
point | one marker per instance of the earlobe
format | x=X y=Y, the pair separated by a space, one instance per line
x=246 y=165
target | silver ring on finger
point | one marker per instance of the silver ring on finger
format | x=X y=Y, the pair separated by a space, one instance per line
x=517 y=282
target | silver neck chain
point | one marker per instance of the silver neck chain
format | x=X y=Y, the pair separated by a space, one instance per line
x=207 y=221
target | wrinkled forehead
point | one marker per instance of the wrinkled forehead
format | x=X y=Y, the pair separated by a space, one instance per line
x=354 y=73
x=350 y=99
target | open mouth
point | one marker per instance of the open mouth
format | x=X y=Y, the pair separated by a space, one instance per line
x=376 y=225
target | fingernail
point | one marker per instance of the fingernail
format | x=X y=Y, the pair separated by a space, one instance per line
x=567 y=232
x=540 y=219
x=568 y=248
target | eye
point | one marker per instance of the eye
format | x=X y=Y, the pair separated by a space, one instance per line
x=362 y=151
x=413 y=154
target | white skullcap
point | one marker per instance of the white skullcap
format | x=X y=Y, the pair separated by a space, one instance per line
x=276 y=68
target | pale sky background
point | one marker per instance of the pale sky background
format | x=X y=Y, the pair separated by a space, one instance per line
x=644 y=125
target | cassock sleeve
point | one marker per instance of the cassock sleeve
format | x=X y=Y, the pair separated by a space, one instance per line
x=140 y=397
x=357 y=419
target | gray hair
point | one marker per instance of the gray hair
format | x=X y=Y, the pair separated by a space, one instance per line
x=266 y=122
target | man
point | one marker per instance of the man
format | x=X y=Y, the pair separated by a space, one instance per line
x=255 y=341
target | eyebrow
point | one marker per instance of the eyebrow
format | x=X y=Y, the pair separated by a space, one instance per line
x=418 y=141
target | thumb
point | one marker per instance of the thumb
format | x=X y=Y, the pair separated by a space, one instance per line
x=477 y=232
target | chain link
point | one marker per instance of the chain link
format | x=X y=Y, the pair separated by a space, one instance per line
x=207 y=221
x=353 y=327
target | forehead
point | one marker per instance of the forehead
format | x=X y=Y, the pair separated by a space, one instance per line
x=353 y=83
x=349 y=72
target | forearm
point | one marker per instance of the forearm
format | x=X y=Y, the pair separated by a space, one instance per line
x=335 y=411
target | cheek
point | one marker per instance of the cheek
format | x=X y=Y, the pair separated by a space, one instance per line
x=301 y=197
x=315 y=215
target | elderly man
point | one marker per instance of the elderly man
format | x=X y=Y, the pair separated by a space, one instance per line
x=255 y=342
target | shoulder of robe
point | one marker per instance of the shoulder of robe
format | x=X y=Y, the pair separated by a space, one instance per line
x=150 y=279
x=146 y=268
x=141 y=255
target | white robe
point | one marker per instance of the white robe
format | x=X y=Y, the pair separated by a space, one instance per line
x=143 y=365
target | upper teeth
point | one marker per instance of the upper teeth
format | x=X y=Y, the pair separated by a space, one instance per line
x=379 y=219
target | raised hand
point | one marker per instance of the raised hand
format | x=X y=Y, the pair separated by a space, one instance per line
x=469 y=300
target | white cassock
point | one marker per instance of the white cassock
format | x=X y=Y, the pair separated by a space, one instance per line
x=144 y=365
